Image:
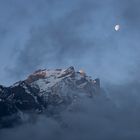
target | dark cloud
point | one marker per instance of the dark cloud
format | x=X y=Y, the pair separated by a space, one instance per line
x=130 y=12
x=49 y=33
x=96 y=119
x=57 y=41
x=79 y=33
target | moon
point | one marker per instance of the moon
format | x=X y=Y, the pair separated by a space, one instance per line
x=117 y=27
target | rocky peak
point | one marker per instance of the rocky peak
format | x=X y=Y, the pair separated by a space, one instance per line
x=46 y=90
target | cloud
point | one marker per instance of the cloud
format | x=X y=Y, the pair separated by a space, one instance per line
x=81 y=33
x=97 y=119
x=78 y=33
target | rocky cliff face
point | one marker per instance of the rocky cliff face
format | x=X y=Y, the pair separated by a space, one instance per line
x=49 y=91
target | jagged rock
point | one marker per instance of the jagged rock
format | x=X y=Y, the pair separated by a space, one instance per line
x=46 y=90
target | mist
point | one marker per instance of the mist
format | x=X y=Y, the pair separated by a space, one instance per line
x=54 y=34
x=58 y=34
x=90 y=119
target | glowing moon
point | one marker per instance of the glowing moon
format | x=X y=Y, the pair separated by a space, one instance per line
x=117 y=27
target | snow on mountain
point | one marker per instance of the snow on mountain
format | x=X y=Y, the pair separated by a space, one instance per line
x=45 y=91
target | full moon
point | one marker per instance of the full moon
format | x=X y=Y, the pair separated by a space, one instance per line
x=117 y=27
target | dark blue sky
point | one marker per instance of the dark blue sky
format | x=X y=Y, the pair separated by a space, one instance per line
x=60 y=33
x=50 y=33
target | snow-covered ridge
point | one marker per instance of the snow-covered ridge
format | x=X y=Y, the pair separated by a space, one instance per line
x=45 y=79
x=46 y=90
x=57 y=73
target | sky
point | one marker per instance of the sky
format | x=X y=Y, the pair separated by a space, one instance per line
x=49 y=34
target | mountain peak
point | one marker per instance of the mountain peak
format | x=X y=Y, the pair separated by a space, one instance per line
x=44 y=73
x=46 y=90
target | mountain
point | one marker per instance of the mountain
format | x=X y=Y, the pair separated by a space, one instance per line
x=49 y=91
